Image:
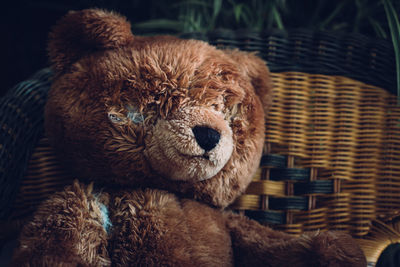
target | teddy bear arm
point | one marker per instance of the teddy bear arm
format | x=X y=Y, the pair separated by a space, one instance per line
x=258 y=245
x=66 y=230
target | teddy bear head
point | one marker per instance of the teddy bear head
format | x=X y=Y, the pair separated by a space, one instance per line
x=157 y=112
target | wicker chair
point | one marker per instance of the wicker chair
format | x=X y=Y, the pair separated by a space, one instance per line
x=332 y=148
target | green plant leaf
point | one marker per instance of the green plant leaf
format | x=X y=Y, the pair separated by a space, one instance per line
x=333 y=15
x=237 y=11
x=164 y=24
x=188 y=3
x=380 y=32
x=277 y=18
x=394 y=27
x=248 y=19
x=339 y=26
x=216 y=8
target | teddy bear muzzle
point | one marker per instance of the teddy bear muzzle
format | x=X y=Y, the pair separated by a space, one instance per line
x=206 y=137
x=193 y=144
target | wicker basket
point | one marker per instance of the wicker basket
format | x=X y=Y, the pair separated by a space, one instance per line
x=332 y=148
x=332 y=156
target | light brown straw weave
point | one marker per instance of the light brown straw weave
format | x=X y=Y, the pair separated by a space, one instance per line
x=342 y=130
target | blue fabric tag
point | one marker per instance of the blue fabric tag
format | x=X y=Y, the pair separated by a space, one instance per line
x=105 y=217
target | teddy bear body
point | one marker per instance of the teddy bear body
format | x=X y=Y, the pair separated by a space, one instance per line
x=144 y=228
x=170 y=132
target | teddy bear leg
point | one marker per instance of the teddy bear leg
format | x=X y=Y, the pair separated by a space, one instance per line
x=258 y=245
x=66 y=230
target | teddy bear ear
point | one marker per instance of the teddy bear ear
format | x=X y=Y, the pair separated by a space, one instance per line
x=256 y=69
x=82 y=32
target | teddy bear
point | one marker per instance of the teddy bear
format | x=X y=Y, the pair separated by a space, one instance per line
x=164 y=134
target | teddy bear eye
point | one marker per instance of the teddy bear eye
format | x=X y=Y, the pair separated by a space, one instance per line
x=114 y=118
x=134 y=115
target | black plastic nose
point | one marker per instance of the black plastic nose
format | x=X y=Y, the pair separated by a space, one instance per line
x=207 y=138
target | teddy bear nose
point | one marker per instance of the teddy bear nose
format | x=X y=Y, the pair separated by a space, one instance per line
x=206 y=137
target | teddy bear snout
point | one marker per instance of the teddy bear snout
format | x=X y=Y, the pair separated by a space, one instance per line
x=206 y=137
x=192 y=144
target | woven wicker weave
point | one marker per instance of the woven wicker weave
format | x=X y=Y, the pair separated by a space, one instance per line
x=332 y=53
x=341 y=142
x=331 y=157
x=44 y=176
x=21 y=123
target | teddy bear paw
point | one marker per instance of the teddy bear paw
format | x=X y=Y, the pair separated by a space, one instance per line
x=337 y=249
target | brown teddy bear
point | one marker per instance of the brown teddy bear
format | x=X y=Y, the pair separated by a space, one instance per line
x=171 y=131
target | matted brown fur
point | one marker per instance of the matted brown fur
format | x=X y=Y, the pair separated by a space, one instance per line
x=122 y=111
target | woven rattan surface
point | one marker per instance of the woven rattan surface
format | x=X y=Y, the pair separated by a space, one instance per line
x=21 y=123
x=385 y=230
x=45 y=175
x=333 y=147
x=332 y=53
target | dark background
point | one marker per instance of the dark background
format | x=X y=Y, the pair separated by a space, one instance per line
x=25 y=26
x=25 y=23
